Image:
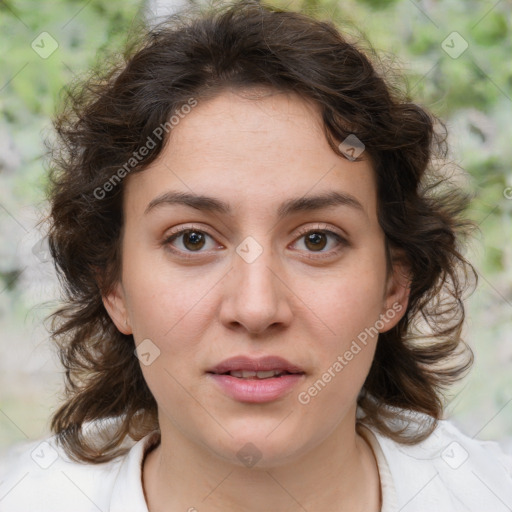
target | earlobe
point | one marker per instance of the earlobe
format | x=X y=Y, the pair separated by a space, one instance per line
x=115 y=305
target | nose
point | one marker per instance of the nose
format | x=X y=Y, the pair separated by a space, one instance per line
x=256 y=295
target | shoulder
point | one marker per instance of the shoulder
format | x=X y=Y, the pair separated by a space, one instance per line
x=449 y=472
x=40 y=476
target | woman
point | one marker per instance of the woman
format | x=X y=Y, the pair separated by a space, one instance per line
x=263 y=285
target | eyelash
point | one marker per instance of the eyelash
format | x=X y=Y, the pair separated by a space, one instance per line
x=342 y=242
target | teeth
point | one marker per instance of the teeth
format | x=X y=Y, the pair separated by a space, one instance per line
x=249 y=374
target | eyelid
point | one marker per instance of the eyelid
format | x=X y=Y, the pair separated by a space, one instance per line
x=191 y=227
x=322 y=227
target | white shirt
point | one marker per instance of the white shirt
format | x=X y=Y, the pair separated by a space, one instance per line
x=448 y=472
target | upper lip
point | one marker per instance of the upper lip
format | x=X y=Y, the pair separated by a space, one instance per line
x=265 y=363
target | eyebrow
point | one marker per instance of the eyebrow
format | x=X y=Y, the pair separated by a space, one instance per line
x=288 y=207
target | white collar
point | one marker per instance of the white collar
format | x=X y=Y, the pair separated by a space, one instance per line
x=128 y=493
x=387 y=486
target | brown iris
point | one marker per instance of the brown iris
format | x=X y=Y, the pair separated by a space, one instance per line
x=315 y=239
x=194 y=238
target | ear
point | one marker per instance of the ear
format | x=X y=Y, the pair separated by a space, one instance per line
x=398 y=287
x=115 y=304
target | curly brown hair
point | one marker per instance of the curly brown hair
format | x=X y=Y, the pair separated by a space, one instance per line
x=108 y=116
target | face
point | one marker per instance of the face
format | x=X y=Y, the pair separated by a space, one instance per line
x=257 y=276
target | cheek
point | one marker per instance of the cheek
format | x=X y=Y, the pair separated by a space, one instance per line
x=345 y=350
x=346 y=303
x=346 y=314
x=165 y=299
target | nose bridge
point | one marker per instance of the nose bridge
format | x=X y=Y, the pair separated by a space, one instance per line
x=255 y=297
x=253 y=263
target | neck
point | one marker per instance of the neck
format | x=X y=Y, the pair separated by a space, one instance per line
x=340 y=474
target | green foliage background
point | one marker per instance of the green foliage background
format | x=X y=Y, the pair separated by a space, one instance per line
x=472 y=93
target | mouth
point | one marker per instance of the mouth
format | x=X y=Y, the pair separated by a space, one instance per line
x=257 y=375
x=260 y=380
x=266 y=367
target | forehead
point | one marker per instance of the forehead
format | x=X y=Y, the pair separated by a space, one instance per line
x=252 y=148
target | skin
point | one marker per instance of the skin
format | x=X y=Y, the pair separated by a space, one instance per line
x=253 y=153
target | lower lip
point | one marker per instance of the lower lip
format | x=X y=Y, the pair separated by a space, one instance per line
x=256 y=390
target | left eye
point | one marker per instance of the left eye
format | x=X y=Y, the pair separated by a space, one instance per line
x=317 y=239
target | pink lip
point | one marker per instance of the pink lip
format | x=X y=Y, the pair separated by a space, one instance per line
x=255 y=364
x=256 y=390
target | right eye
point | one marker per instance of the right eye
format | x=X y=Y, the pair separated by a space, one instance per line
x=192 y=240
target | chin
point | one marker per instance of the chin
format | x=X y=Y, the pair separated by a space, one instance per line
x=256 y=449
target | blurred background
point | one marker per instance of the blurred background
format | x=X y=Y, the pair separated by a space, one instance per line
x=455 y=56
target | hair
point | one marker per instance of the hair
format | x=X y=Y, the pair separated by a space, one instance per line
x=107 y=117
